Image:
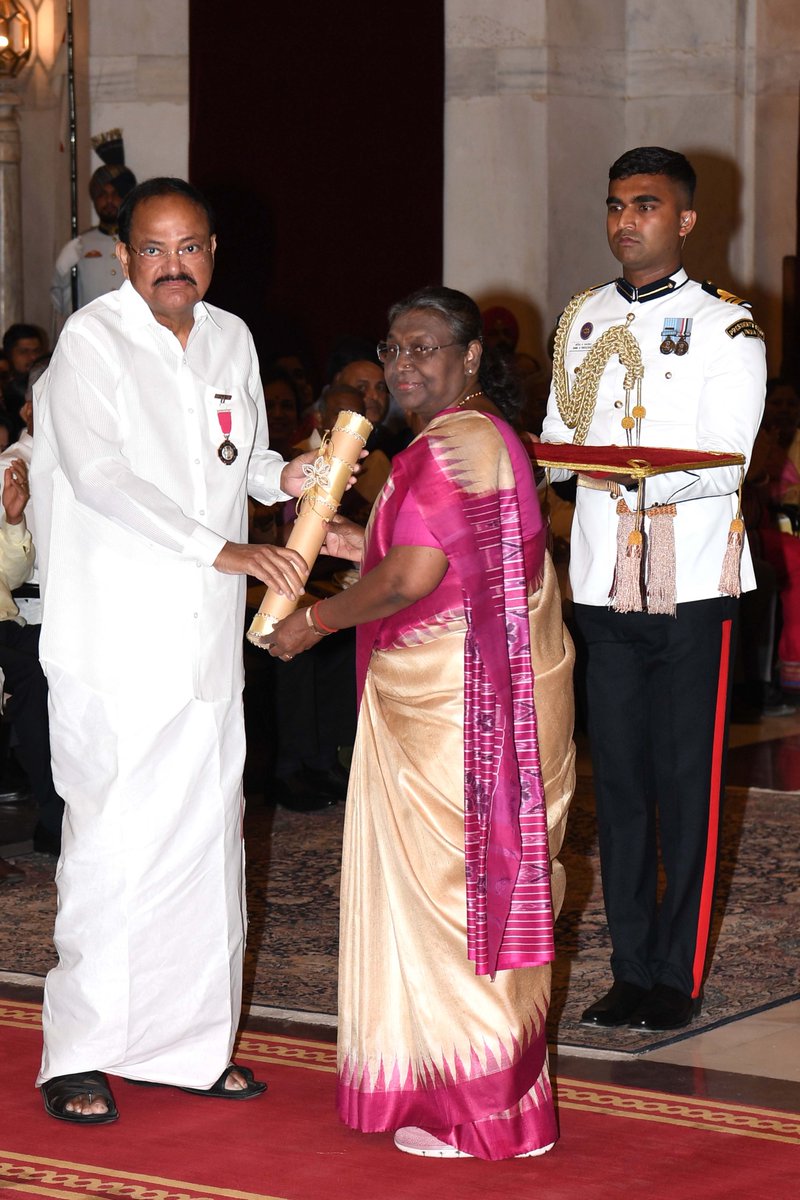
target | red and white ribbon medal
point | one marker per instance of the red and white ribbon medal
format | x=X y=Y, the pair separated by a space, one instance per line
x=226 y=451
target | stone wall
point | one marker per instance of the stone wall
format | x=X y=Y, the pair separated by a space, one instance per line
x=542 y=95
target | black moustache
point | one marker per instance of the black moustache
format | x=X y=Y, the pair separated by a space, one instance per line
x=182 y=278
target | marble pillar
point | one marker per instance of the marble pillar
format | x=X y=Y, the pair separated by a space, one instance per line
x=10 y=218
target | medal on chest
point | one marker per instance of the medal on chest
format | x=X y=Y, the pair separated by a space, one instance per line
x=226 y=451
x=675 y=335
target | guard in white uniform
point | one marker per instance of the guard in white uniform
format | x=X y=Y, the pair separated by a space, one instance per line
x=150 y=432
x=93 y=252
x=658 y=685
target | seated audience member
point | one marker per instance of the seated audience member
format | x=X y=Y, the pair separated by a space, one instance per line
x=19 y=661
x=773 y=495
x=500 y=330
x=311 y=700
x=268 y=522
x=5 y=433
x=357 y=503
x=349 y=348
x=284 y=401
x=22 y=345
x=27 y=597
x=366 y=375
x=367 y=378
x=308 y=705
x=300 y=371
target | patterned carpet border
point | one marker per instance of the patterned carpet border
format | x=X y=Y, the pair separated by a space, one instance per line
x=607 y=1099
x=293 y=884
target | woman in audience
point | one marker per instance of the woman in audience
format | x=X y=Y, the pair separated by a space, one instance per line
x=459 y=775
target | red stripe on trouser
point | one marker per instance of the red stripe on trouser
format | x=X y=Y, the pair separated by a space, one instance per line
x=709 y=870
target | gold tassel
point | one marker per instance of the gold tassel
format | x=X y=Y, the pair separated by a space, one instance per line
x=661 y=560
x=730 y=582
x=626 y=592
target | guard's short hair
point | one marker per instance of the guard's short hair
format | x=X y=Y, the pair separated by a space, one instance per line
x=161 y=185
x=655 y=160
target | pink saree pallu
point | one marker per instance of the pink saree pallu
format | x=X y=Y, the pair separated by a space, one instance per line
x=462 y=774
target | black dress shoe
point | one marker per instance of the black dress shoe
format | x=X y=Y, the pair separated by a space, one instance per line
x=331 y=781
x=616 y=1007
x=665 y=1008
x=298 y=793
x=45 y=842
x=9 y=873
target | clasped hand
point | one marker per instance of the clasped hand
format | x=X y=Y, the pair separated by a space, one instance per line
x=291 y=636
x=15 y=491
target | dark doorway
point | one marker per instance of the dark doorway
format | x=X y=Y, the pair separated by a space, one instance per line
x=317 y=133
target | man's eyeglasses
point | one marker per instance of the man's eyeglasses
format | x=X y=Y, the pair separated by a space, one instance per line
x=158 y=253
x=388 y=352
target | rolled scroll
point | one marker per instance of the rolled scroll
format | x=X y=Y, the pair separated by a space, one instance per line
x=320 y=498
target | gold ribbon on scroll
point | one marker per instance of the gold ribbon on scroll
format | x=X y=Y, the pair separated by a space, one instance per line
x=326 y=480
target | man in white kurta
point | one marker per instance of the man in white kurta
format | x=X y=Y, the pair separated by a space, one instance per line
x=150 y=433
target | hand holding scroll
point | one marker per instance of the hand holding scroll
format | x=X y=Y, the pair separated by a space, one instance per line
x=326 y=479
x=281 y=569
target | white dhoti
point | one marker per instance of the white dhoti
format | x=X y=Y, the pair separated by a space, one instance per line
x=151 y=923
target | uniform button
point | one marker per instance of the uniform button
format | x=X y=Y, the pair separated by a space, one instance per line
x=197 y=462
x=195 y=615
x=113 y=272
x=617 y=404
x=202 y=512
x=668 y=374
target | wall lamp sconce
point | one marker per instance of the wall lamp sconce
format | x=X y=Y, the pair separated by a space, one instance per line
x=15 y=38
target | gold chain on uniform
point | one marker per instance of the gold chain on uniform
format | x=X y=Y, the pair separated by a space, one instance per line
x=577 y=407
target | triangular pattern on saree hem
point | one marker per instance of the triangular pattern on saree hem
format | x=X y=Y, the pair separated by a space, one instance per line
x=451 y=1097
x=448 y=1072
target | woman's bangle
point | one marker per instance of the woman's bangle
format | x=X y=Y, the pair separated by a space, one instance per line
x=318 y=621
x=310 y=623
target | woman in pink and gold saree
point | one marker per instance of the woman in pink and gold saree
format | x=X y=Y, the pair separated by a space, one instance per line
x=463 y=766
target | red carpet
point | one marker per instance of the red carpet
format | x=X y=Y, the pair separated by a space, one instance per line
x=289 y=1145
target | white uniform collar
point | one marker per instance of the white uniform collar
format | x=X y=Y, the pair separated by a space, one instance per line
x=651 y=291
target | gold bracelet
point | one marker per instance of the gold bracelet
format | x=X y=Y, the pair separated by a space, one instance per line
x=310 y=622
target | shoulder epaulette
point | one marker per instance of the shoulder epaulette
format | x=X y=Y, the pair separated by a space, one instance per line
x=721 y=294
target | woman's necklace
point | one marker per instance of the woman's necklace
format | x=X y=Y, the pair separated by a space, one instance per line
x=471 y=396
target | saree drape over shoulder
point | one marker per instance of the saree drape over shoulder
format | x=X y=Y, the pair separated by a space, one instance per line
x=462 y=774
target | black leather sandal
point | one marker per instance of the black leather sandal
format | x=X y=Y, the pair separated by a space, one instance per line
x=218 y=1089
x=59 y=1090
